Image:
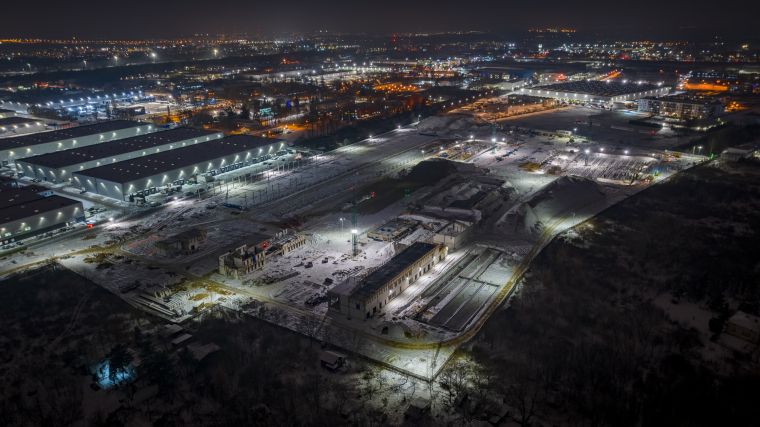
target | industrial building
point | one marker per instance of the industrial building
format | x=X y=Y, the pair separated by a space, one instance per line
x=493 y=73
x=14 y=125
x=596 y=91
x=58 y=166
x=363 y=298
x=148 y=174
x=735 y=154
x=682 y=107
x=69 y=100
x=5 y=113
x=31 y=210
x=19 y=147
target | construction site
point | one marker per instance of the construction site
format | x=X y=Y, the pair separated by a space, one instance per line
x=396 y=248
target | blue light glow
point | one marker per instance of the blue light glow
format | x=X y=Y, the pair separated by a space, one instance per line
x=102 y=376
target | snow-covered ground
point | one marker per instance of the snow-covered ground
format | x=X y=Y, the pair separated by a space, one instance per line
x=419 y=329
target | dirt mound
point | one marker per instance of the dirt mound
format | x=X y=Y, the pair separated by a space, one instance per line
x=450 y=123
x=431 y=171
x=565 y=196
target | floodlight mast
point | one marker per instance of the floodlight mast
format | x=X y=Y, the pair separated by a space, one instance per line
x=354 y=232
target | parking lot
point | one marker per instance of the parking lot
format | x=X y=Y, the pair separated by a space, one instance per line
x=613 y=167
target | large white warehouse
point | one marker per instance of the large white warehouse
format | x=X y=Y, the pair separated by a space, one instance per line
x=31 y=210
x=596 y=92
x=150 y=173
x=18 y=147
x=58 y=166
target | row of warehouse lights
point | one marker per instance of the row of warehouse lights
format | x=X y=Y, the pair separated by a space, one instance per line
x=89 y=98
x=585 y=96
x=196 y=170
x=74 y=141
x=25 y=227
x=14 y=127
x=114 y=160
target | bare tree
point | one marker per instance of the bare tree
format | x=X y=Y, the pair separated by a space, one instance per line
x=453 y=380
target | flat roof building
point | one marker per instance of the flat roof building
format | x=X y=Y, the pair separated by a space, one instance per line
x=364 y=298
x=596 y=91
x=5 y=113
x=58 y=166
x=19 y=147
x=682 y=107
x=11 y=194
x=27 y=211
x=150 y=173
x=12 y=126
x=65 y=99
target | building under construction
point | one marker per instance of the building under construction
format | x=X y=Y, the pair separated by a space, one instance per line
x=248 y=258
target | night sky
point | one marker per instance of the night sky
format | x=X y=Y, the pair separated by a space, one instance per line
x=157 y=18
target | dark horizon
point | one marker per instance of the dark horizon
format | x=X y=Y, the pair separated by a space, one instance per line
x=141 y=19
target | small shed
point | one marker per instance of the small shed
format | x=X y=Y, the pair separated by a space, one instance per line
x=736 y=154
x=332 y=360
x=744 y=326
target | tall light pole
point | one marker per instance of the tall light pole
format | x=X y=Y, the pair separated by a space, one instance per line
x=341 y=225
x=587 y=151
x=354 y=232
